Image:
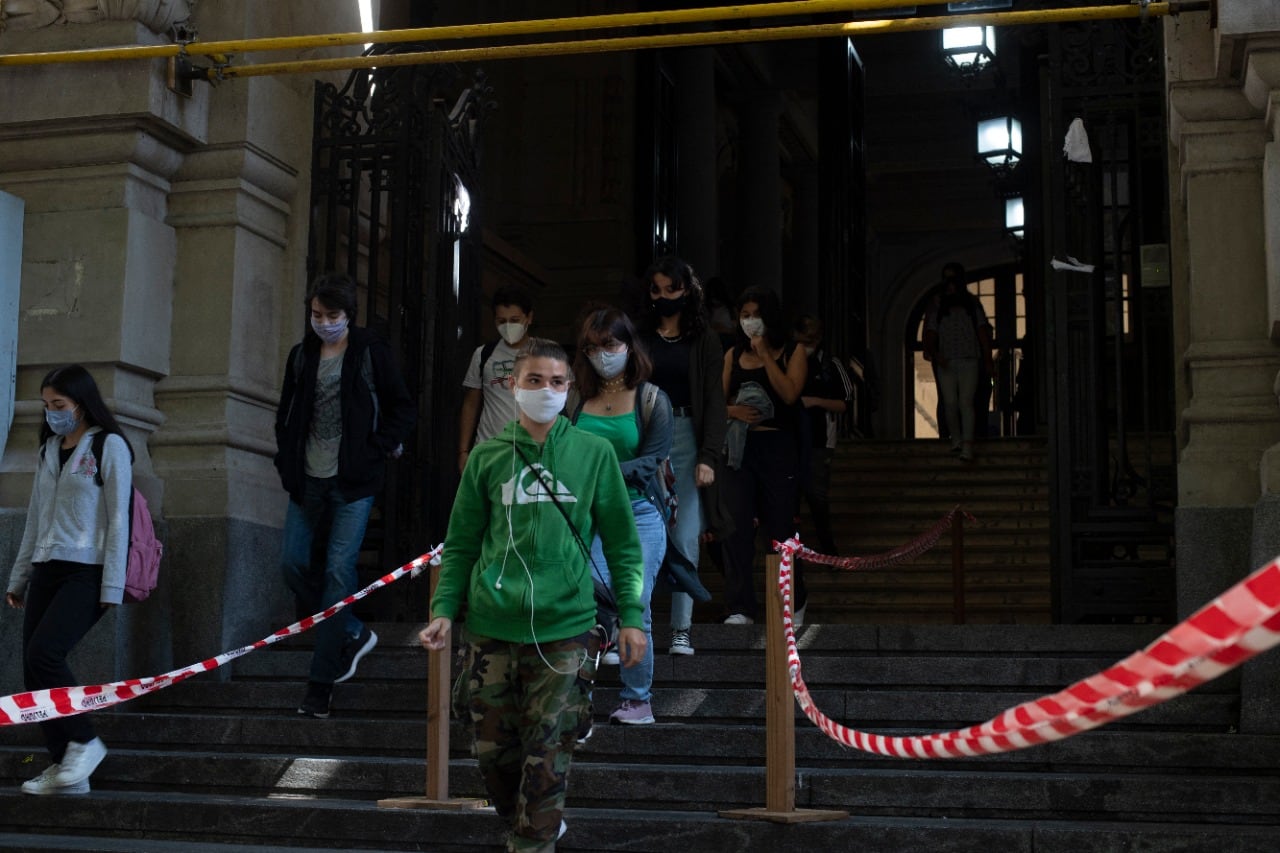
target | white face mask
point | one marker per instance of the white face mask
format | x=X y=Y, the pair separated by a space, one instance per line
x=540 y=405
x=752 y=327
x=609 y=364
x=512 y=333
x=330 y=333
x=809 y=351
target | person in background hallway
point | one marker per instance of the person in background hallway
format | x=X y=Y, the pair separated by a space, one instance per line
x=487 y=405
x=71 y=562
x=344 y=410
x=957 y=340
x=611 y=370
x=763 y=376
x=826 y=395
x=687 y=359
x=532 y=640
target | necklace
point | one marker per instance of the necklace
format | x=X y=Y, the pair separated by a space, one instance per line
x=612 y=386
x=670 y=339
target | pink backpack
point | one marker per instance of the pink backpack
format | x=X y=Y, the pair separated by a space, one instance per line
x=142 y=569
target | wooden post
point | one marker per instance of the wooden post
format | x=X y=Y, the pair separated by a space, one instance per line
x=957 y=568
x=780 y=723
x=437 y=783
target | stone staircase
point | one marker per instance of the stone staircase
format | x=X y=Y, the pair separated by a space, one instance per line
x=226 y=766
x=886 y=493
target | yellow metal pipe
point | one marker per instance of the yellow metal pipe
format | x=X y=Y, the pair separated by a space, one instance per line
x=587 y=46
x=464 y=31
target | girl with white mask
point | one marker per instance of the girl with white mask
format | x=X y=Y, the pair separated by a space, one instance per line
x=763 y=376
x=611 y=370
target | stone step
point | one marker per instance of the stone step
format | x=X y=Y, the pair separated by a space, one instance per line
x=885 y=791
x=1116 y=748
x=349 y=824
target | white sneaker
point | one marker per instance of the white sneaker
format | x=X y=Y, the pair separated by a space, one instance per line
x=79 y=762
x=739 y=619
x=45 y=784
x=610 y=658
x=564 y=827
x=680 y=644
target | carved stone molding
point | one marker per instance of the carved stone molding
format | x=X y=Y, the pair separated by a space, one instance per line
x=158 y=15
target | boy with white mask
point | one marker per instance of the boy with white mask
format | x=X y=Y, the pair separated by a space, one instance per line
x=487 y=403
x=528 y=501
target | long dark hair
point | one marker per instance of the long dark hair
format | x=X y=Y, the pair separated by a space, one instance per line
x=75 y=383
x=775 y=328
x=693 y=317
x=602 y=322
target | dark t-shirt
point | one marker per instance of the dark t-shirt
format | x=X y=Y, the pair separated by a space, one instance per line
x=671 y=368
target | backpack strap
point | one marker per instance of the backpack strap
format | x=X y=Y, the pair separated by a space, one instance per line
x=486 y=353
x=96 y=443
x=648 y=399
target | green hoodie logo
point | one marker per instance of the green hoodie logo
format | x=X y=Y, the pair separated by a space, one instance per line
x=531 y=486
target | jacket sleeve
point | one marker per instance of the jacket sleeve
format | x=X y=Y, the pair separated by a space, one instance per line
x=398 y=409
x=287 y=392
x=21 y=573
x=468 y=526
x=655 y=441
x=117 y=494
x=715 y=416
x=616 y=525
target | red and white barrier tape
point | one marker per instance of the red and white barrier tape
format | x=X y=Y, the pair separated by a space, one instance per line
x=1242 y=622
x=902 y=554
x=37 y=705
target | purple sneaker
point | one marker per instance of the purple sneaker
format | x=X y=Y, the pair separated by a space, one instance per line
x=633 y=713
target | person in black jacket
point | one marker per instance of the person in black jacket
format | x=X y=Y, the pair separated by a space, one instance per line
x=344 y=410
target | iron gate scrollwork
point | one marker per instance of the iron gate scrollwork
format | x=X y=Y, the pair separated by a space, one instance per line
x=1112 y=408
x=394 y=203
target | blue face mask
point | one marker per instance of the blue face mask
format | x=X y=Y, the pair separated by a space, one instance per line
x=62 y=421
x=330 y=333
x=608 y=364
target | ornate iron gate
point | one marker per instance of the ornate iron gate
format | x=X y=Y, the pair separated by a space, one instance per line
x=1111 y=407
x=395 y=171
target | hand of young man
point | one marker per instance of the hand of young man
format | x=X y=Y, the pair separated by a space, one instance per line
x=435 y=637
x=631 y=646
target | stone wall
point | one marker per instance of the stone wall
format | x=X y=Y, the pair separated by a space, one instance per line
x=1224 y=87
x=165 y=244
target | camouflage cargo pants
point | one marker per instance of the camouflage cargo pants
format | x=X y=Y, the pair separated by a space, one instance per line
x=528 y=709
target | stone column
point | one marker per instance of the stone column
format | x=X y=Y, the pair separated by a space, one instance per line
x=239 y=207
x=92 y=150
x=696 y=149
x=760 y=192
x=1222 y=122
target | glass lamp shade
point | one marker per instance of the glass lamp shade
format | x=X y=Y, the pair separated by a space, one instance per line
x=969 y=49
x=1014 y=217
x=1000 y=141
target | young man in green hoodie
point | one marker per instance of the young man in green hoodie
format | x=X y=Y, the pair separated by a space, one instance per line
x=511 y=555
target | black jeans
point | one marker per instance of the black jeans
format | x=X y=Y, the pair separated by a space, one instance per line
x=764 y=488
x=60 y=607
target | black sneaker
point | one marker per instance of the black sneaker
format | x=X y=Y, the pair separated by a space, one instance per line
x=353 y=651
x=316 y=702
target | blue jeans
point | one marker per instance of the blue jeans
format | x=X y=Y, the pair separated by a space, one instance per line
x=318 y=586
x=688 y=529
x=637 y=681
